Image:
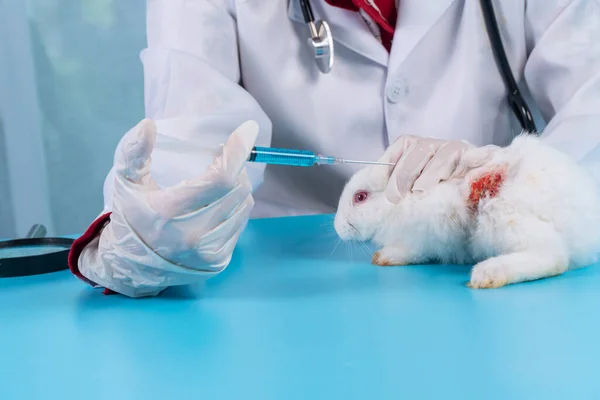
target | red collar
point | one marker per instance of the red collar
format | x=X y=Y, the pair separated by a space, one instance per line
x=345 y=4
x=384 y=14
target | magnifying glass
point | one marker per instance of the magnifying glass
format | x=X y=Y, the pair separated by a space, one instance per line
x=34 y=255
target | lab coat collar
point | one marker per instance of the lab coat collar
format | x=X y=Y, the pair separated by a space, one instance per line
x=415 y=19
x=347 y=27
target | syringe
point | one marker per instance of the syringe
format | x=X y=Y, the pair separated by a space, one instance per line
x=299 y=158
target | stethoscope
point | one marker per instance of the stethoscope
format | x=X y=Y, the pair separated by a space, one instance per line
x=321 y=41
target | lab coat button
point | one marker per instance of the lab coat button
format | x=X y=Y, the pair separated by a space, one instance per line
x=396 y=91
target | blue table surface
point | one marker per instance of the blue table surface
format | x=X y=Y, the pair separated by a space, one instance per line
x=292 y=318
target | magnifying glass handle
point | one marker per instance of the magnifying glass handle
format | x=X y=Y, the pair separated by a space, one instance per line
x=36 y=231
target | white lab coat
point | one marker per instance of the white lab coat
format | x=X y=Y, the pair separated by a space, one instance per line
x=440 y=80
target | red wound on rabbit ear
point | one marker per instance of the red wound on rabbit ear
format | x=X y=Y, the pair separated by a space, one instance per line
x=360 y=197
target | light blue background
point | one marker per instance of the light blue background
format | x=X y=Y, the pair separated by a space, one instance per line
x=89 y=84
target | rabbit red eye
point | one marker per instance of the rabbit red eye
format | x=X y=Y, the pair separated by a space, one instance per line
x=360 y=196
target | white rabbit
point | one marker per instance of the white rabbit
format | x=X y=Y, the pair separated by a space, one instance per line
x=529 y=213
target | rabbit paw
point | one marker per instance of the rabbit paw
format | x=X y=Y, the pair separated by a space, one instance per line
x=517 y=267
x=489 y=274
x=389 y=256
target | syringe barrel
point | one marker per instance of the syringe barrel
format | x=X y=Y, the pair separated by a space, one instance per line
x=292 y=157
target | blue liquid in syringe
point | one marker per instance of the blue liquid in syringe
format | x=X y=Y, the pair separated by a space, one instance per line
x=296 y=158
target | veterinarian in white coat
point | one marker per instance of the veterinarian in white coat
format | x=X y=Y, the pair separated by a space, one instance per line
x=212 y=65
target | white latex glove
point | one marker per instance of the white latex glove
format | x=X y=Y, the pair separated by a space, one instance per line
x=422 y=163
x=473 y=159
x=161 y=237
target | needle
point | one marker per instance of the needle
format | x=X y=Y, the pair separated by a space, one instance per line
x=344 y=161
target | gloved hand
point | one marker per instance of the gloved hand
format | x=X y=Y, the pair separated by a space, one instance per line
x=422 y=163
x=161 y=237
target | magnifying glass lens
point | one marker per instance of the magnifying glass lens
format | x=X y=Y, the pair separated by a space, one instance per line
x=33 y=256
x=14 y=252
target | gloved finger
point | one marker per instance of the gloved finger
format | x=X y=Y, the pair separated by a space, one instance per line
x=217 y=241
x=407 y=170
x=237 y=149
x=392 y=154
x=473 y=158
x=219 y=260
x=243 y=179
x=188 y=232
x=187 y=199
x=132 y=160
x=476 y=157
x=223 y=208
x=227 y=205
x=441 y=166
x=394 y=151
x=229 y=246
x=218 y=180
x=211 y=245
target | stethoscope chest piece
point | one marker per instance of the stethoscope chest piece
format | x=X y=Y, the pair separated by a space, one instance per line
x=321 y=42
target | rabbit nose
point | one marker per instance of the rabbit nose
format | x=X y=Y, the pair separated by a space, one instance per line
x=342 y=229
